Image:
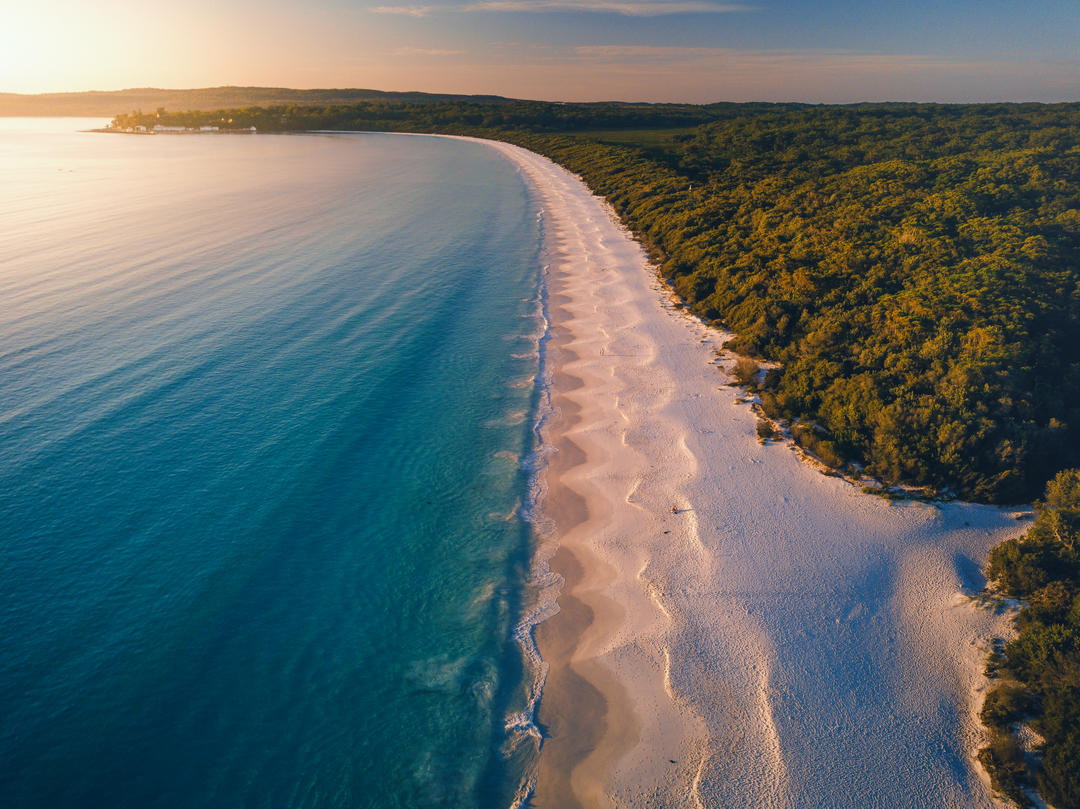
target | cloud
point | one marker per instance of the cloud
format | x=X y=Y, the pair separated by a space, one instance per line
x=648 y=51
x=407 y=11
x=800 y=59
x=674 y=73
x=425 y=52
x=628 y=8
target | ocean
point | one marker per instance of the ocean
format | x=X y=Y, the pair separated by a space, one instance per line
x=267 y=409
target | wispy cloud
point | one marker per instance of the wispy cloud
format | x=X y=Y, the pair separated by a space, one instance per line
x=801 y=59
x=425 y=52
x=647 y=51
x=824 y=75
x=628 y=8
x=407 y=11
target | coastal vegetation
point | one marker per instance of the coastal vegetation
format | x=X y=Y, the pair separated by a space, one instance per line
x=489 y=117
x=1038 y=672
x=745 y=371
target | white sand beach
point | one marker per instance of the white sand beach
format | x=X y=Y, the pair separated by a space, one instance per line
x=784 y=640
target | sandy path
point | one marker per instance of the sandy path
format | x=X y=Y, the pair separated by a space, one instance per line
x=782 y=641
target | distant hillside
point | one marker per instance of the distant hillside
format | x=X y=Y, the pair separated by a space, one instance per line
x=109 y=103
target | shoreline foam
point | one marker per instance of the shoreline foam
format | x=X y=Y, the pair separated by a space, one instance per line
x=784 y=640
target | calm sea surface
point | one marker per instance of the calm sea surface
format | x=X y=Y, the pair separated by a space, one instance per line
x=262 y=405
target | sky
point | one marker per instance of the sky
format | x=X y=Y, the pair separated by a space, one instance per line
x=571 y=50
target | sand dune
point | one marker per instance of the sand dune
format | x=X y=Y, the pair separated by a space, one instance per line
x=783 y=640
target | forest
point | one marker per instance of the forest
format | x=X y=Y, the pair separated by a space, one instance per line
x=1037 y=674
x=491 y=116
x=913 y=269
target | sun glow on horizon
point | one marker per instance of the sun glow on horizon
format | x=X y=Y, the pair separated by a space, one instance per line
x=574 y=50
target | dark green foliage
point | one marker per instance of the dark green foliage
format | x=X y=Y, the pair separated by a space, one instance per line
x=1004 y=760
x=1022 y=566
x=765 y=431
x=449 y=114
x=1060 y=777
x=812 y=438
x=914 y=269
x=1040 y=669
x=1006 y=705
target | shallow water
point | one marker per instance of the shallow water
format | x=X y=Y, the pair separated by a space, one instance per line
x=261 y=401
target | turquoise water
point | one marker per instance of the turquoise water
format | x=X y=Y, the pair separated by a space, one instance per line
x=262 y=405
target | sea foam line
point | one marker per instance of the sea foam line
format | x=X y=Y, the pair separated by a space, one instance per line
x=544 y=583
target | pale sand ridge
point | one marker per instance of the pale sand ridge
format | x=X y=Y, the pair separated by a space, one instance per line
x=791 y=642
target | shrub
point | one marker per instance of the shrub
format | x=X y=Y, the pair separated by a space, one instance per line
x=745 y=371
x=1006 y=705
x=770 y=405
x=811 y=439
x=765 y=430
x=1004 y=760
